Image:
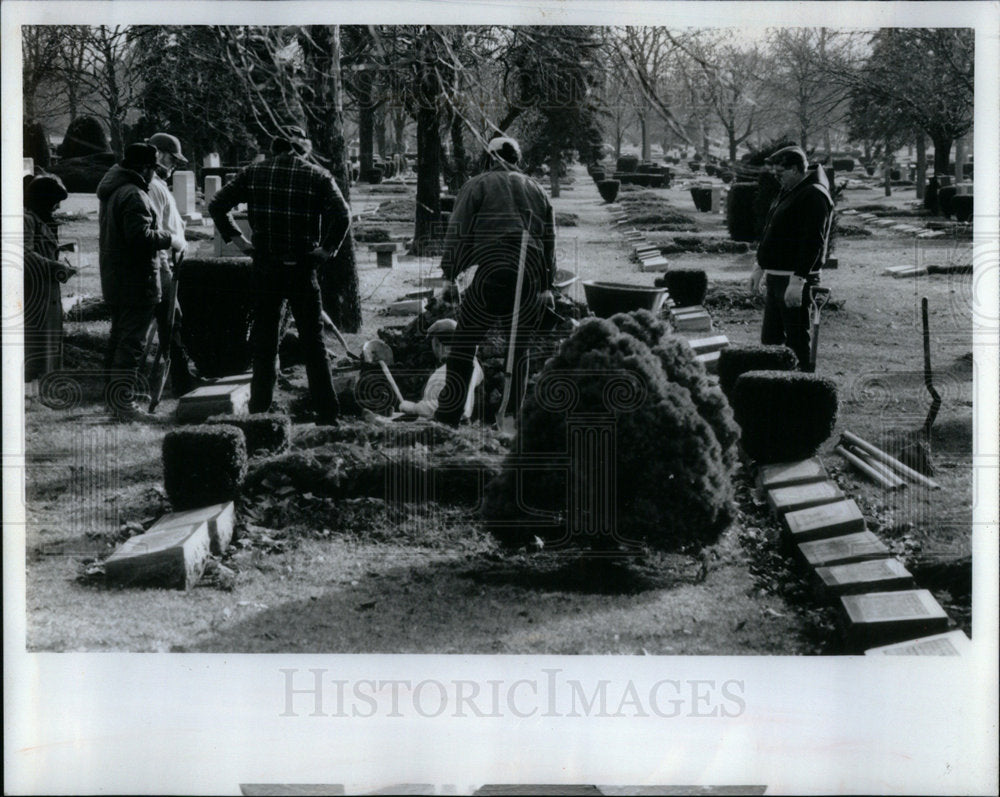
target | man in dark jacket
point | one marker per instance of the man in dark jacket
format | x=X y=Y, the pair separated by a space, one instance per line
x=491 y=212
x=792 y=250
x=130 y=275
x=299 y=220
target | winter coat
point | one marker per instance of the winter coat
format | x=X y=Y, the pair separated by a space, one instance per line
x=492 y=208
x=43 y=313
x=797 y=228
x=129 y=239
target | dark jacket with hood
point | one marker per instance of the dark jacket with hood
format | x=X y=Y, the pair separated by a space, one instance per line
x=797 y=228
x=129 y=239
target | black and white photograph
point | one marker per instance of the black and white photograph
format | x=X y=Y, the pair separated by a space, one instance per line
x=440 y=398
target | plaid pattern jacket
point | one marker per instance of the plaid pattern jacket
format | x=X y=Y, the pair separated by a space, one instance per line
x=292 y=206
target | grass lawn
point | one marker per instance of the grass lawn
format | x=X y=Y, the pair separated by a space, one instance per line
x=312 y=573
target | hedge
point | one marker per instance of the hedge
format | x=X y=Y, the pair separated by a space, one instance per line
x=608 y=189
x=216 y=300
x=843 y=164
x=84 y=136
x=627 y=163
x=784 y=416
x=82 y=175
x=671 y=487
x=203 y=465
x=961 y=206
x=768 y=188
x=945 y=197
x=687 y=286
x=734 y=361
x=264 y=433
x=702 y=197
x=36 y=145
x=740 y=211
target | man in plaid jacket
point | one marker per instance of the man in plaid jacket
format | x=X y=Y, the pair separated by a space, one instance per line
x=299 y=220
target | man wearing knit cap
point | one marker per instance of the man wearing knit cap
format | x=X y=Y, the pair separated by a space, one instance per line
x=299 y=220
x=168 y=158
x=441 y=334
x=491 y=211
x=792 y=250
x=130 y=238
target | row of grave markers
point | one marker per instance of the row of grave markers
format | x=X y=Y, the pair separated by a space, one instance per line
x=884 y=612
x=897 y=272
x=692 y=321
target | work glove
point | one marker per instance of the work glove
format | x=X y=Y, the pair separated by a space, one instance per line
x=756 y=276
x=793 y=293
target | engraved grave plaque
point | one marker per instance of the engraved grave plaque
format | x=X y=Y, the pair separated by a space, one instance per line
x=803 y=496
x=818 y=522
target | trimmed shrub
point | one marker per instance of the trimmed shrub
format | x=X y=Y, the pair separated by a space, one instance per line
x=598 y=175
x=734 y=361
x=371 y=235
x=687 y=286
x=870 y=170
x=672 y=489
x=608 y=189
x=84 y=136
x=627 y=163
x=36 y=145
x=768 y=188
x=694 y=165
x=784 y=415
x=961 y=206
x=945 y=197
x=81 y=175
x=265 y=433
x=702 y=197
x=216 y=300
x=843 y=164
x=680 y=365
x=203 y=465
x=740 y=211
x=931 y=194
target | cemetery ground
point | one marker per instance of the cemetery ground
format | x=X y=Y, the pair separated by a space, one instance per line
x=310 y=573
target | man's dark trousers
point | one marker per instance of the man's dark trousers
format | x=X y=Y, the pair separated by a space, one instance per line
x=129 y=325
x=181 y=380
x=277 y=278
x=788 y=326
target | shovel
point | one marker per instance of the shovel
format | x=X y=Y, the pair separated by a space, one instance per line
x=378 y=351
x=328 y=324
x=504 y=423
x=818 y=300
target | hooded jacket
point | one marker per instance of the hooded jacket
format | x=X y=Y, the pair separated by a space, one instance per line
x=129 y=239
x=797 y=228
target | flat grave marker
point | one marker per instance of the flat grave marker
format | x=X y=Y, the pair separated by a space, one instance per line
x=710 y=360
x=693 y=322
x=803 y=496
x=876 y=575
x=880 y=618
x=844 y=549
x=654 y=264
x=219 y=518
x=217 y=399
x=715 y=343
x=234 y=379
x=174 y=558
x=953 y=643
x=385 y=254
x=832 y=517
x=407 y=307
x=785 y=474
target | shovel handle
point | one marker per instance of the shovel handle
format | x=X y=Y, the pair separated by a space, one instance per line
x=392 y=382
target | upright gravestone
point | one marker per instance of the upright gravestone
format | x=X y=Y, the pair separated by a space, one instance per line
x=184 y=195
x=212 y=185
x=29 y=166
x=212 y=161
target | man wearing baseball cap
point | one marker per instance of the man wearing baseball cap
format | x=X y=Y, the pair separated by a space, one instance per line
x=792 y=250
x=440 y=334
x=168 y=158
x=299 y=221
x=492 y=210
x=129 y=240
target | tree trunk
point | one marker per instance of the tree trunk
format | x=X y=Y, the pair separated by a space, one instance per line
x=921 y=164
x=732 y=144
x=555 y=161
x=942 y=153
x=643 y=130
x=380 y=147
x=366 y=125
x=399 y=131
x=428 y=179
x=961 y=154
x=339 y=276
x=887 y=170
x=458 y=153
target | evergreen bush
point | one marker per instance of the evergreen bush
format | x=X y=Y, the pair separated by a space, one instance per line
x=627 y=163
x=702 y=197
x=265 y=433
x=784 y=416
x=843 y=164
x=961 y=207
x=84 y=136
x=740 y=211
x=216 y=300
x=768 y=188
x=670 y=487
x=82 y=175
x=734 y=361
x=687 y=286
x=36 y=145
x=203 y=465
x=608 y=189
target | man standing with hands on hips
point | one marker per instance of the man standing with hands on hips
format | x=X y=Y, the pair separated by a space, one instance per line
x=792 y=251
x=299 y=221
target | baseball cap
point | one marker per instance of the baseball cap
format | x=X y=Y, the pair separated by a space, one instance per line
x=498 y=143
x=787 y=156
x=443 y=327
x=165 y=142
